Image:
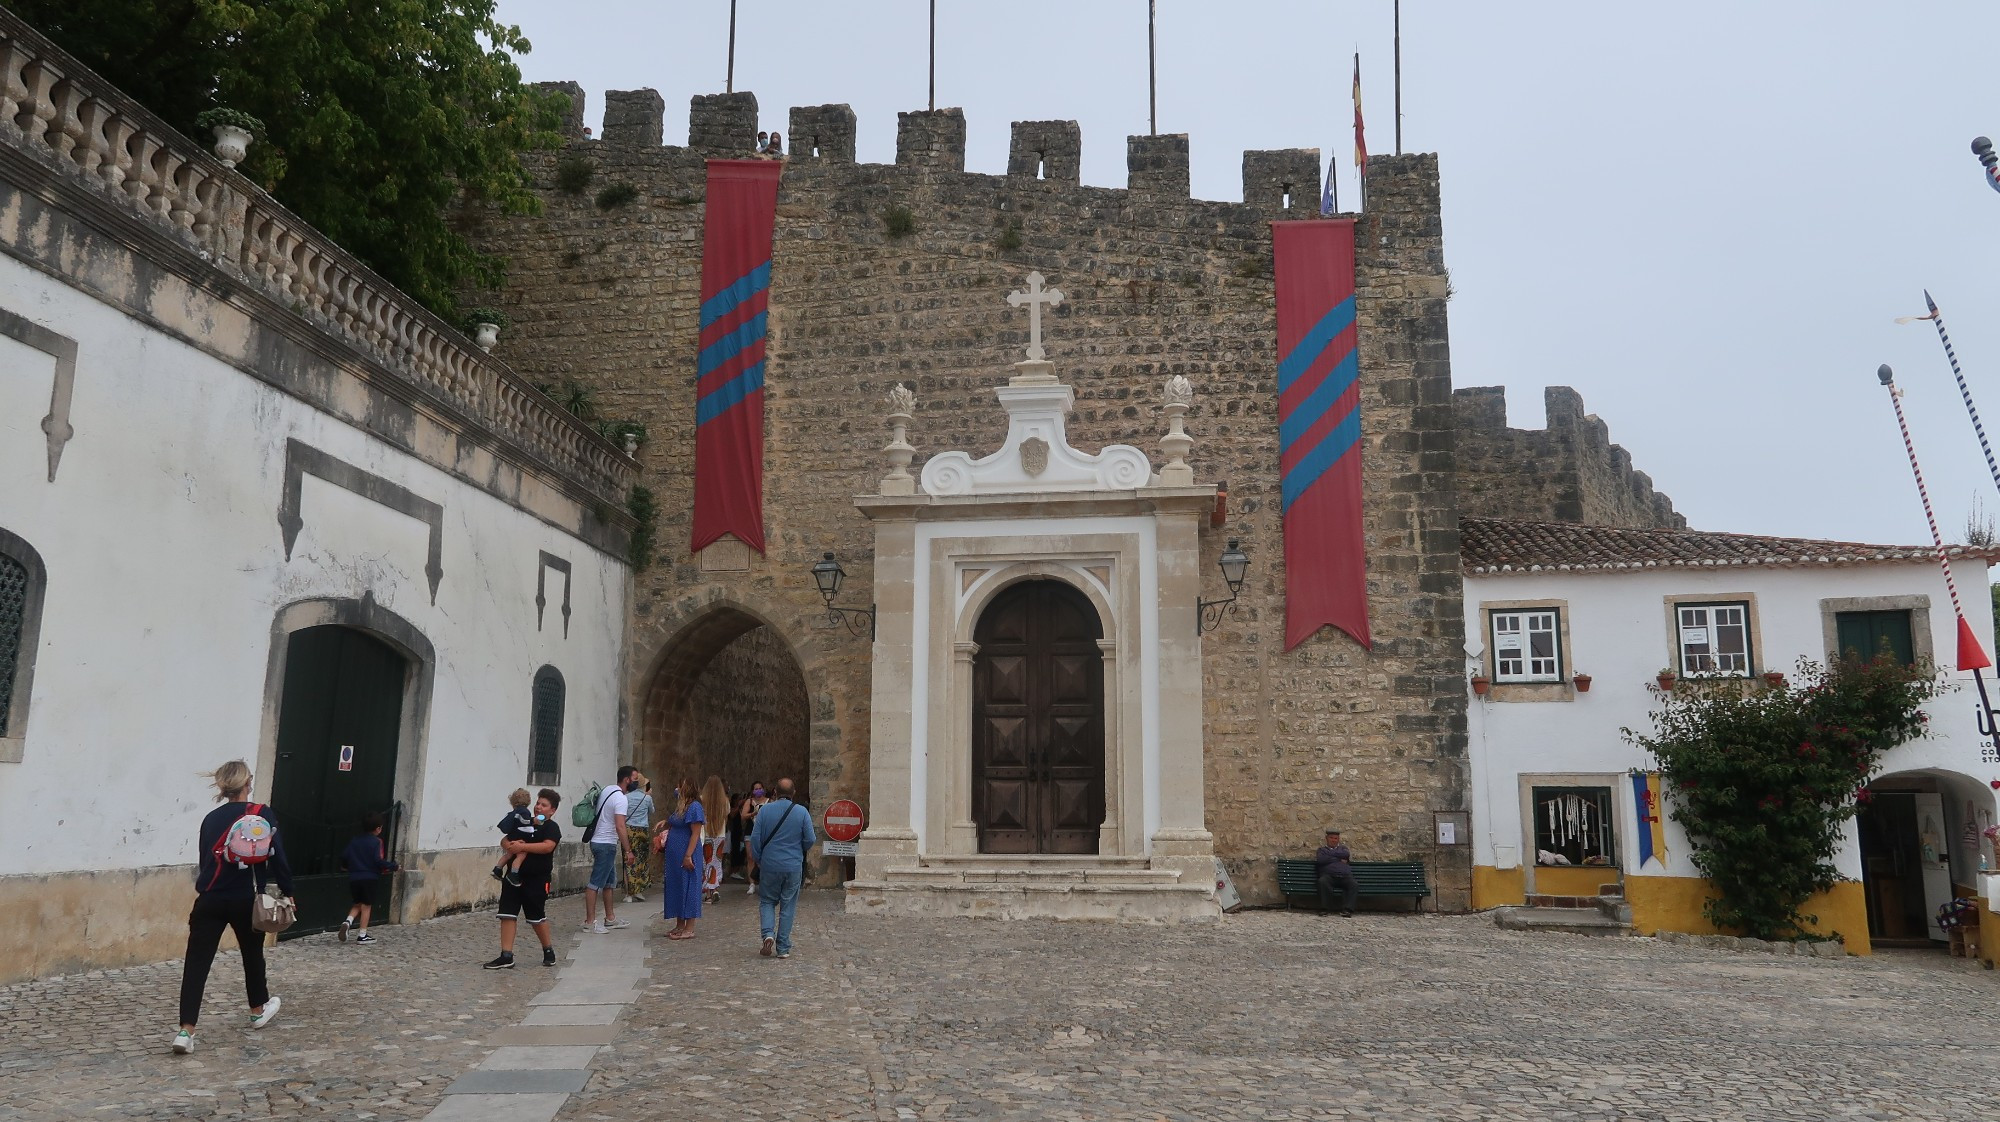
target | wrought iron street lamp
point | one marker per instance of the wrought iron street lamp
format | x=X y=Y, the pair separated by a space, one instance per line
x=828 y=575
x=1234 y=563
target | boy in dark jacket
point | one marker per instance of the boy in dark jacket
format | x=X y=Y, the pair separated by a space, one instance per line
x=366 y=860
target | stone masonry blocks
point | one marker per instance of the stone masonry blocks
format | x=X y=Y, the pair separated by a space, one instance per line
x=1271 y=178
x=1158 y=165
x=634 y=117
x=1050 y=150
x=931 y=138
x=1568 y=471
x=821 y=132
x=723 y=124
x=572 y=119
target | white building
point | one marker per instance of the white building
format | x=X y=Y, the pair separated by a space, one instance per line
x=1551 y=769
x=255 y=503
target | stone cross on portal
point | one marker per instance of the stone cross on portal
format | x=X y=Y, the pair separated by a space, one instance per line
x=1034 y=298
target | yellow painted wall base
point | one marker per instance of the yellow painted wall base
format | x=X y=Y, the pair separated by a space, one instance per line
x=1675 y=903
x=1497 y=888
x=1572 y=880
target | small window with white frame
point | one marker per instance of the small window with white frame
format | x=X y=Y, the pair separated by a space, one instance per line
x=1527 y=645
x=1713 y=639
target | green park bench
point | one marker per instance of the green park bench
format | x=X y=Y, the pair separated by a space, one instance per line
x=1374 y=878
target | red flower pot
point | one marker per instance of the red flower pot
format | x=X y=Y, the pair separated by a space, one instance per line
x=1774 y=678
x=1582 y=683
x=1480 y=685
x=1666 y=681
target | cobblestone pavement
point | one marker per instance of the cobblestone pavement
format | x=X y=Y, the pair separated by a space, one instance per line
x=1265 y=1016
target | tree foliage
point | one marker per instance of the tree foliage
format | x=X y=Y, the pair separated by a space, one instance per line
x=380 y=118
x=1762 y=778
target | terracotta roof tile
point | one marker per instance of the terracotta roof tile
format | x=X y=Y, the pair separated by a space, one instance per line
x=1493 y=545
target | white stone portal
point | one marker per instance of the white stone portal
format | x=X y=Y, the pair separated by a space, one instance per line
x=1128 y=541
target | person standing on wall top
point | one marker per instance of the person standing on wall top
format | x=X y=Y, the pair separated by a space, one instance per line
x=610 y=849
x=1335 y=867
x=638 y=831
x=239 y=850
x=778 y=844
x=529 y=899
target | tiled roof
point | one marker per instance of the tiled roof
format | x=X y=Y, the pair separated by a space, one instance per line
x=1493 y=545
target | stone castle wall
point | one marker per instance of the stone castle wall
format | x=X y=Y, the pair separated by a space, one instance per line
x=1157 y=283
x=1568 y=471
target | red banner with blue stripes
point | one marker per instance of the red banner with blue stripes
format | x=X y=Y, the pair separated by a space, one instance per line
x=1319 y=430
x=729 y=365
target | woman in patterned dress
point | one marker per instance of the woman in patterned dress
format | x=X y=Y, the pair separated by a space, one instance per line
x=678 y=837
x=714 y=836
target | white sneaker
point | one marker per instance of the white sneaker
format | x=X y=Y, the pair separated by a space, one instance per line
x=598 y=928
x=631 y=899
x=616 y=924
x=638 y=898
x=183 y=1042
x=750 y=890
x=589 y=925
x=259 y=1020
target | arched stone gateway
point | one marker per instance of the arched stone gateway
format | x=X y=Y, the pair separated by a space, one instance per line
x=726 y=697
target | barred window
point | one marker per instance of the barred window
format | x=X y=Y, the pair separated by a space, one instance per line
x=545 y=728
x=13 y=615
x=22 y=579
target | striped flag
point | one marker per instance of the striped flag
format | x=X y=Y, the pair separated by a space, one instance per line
x=1319 y=430
x=729 y=367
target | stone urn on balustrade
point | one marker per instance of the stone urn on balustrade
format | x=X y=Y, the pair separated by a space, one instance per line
x=233 y=130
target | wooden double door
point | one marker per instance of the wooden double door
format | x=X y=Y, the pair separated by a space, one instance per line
x=1038 y=722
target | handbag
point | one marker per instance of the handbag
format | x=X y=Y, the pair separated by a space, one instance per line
x=272 y=912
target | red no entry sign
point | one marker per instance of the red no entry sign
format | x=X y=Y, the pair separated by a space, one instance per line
x=843 y=821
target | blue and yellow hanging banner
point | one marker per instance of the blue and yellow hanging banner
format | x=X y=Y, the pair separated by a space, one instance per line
x=1651 y=816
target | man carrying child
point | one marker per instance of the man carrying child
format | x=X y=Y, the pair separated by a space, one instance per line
x=528 y=899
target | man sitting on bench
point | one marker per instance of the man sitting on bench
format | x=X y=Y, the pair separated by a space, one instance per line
x=1334 y=865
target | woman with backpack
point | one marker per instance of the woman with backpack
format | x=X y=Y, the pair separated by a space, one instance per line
x=240 y=851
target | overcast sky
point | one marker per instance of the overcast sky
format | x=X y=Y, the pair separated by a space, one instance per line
x=1704 y=216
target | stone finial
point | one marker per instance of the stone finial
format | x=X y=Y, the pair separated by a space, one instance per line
x=1177 y=443
x=899 y=481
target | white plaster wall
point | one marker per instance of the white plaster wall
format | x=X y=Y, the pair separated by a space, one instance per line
x=166 y=567
x=922 y=736
x=1618 y=634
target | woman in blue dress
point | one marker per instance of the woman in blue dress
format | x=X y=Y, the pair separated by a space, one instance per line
x=680 y=852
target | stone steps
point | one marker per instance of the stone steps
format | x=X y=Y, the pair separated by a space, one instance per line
x=1036 y=886
x=1574 y=921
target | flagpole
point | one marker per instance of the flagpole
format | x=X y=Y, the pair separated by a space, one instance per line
x=933 y=84
x=1971 y=656
x=1964 y=391
x=1399 y=77
x=729 y=77
x=1152 y=74
x=1983 y=148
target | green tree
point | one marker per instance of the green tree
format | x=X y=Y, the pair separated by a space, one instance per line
x=1763 y=778
x=382 y=119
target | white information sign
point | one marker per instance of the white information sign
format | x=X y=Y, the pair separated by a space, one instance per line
x=839 y=849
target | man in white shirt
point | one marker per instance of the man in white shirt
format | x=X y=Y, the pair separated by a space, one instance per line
x=608 y=853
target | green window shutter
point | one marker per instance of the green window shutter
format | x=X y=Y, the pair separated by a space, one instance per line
x=1864 y=633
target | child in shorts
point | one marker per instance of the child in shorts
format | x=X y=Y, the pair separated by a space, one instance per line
x=366 y=860
x=519 y=825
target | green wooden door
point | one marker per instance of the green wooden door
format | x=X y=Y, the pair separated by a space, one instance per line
x=1863 y=634
x=343 y=688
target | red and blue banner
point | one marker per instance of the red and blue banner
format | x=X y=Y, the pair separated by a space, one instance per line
x=1319 y=430
x=729 y=366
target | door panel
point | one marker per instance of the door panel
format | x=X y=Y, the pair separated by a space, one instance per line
x=1038 y=722
x=342 y=688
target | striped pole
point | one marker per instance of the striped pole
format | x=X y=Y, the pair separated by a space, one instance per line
x=1983 y=148
x=1971 y=656
x=1937 y=320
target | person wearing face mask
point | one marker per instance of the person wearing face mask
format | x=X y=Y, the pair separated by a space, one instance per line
x=529 y=899
x=752 y=803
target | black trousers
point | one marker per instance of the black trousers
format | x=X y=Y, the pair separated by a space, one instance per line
x=205 y=923
x=1344 y=884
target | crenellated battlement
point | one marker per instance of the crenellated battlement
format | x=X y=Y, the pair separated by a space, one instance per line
x=1567 y=471
x=932 y=141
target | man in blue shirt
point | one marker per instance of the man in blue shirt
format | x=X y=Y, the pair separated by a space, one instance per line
x=778 y=844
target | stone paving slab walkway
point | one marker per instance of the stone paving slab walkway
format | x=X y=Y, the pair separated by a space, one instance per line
x=1264 y=1016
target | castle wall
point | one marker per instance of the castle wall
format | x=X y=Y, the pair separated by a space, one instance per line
x=1568 y=471
x=1157 y=284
